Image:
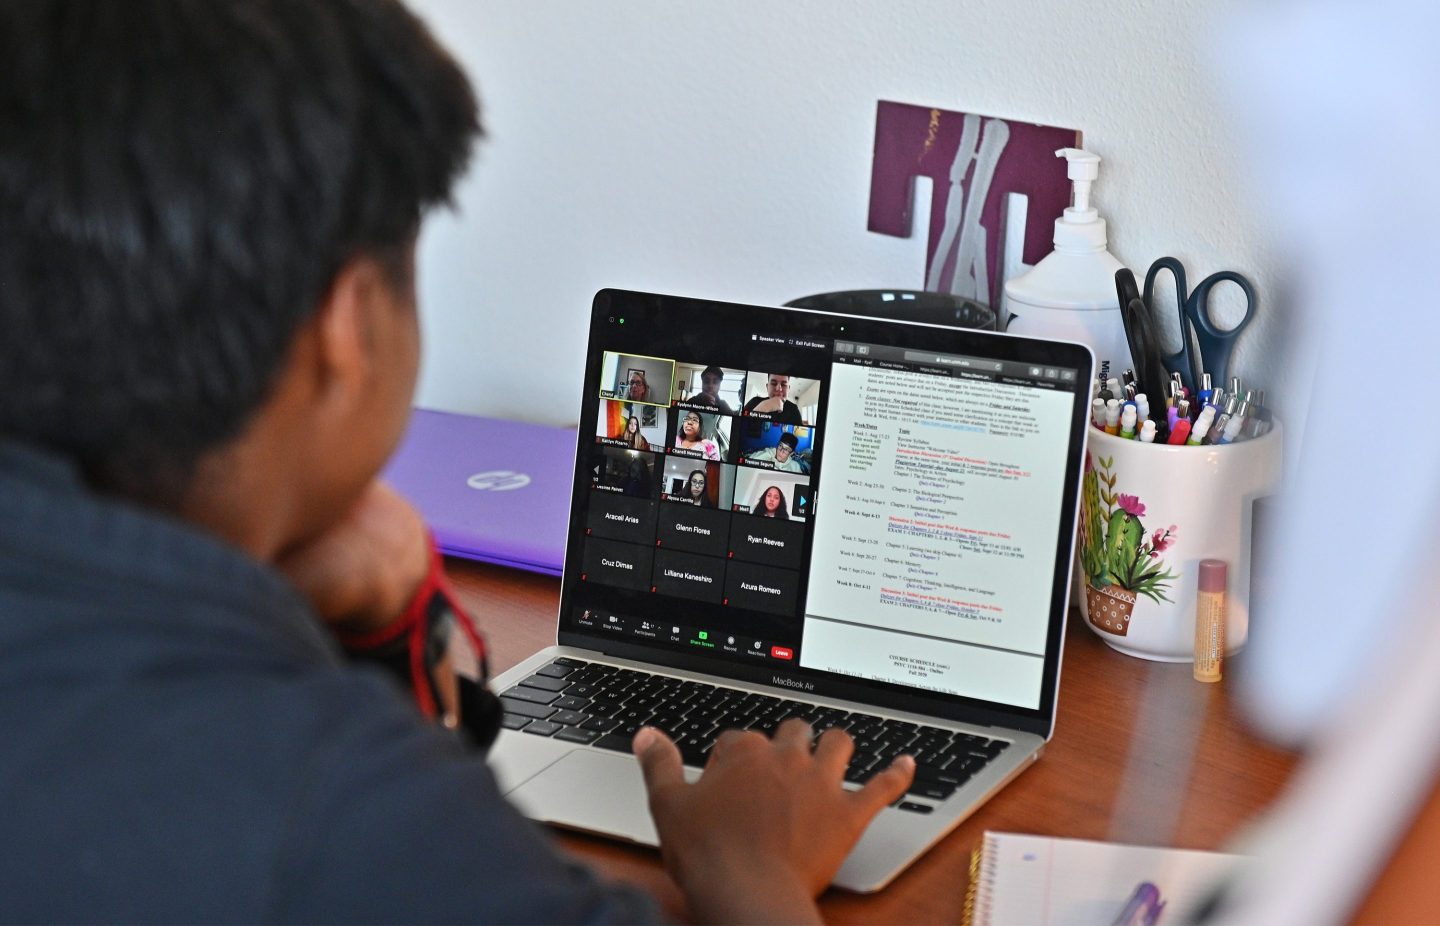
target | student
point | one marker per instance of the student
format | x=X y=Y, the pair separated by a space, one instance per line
x=690 y=435
x=771 y=504
x=781 y=456
x=696 y=489
x=774 y=403
x=630 y=434
x=208 y=214
x=710 y=379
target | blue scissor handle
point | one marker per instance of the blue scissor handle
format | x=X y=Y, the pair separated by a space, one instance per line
x=1182 y=361
x=1215 y=343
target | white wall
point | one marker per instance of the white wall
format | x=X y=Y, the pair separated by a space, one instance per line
x=723 y=150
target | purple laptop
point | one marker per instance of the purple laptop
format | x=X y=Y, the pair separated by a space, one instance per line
x=491 y=490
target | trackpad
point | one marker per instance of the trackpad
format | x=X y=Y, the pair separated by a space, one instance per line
x=591 y=791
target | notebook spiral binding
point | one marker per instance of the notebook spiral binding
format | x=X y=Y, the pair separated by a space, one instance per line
x=982 y=882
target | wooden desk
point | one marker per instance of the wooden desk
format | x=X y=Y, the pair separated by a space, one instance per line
x=1110 y=704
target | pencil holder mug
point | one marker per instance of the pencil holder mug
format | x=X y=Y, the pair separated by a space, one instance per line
x=1149 y=513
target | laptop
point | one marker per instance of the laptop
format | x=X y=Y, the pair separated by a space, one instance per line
x=779 y=512
x=491 y=490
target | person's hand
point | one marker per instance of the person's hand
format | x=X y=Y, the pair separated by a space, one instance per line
x=362 y=572
x=768 y=824
x=771 y=404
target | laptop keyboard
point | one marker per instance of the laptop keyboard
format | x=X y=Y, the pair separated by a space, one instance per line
x=601 y=705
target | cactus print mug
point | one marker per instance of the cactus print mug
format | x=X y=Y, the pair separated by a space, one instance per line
x=1149 y=513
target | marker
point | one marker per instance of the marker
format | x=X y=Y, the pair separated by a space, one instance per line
x=1127 y=422
x=1147 y=432
x=1112 y=416
x=1202 y=426
x=1179 y=432
x=1097 y=413
x=1142 y=405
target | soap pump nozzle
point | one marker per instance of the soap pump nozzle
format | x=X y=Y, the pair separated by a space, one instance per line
x=1082 y=168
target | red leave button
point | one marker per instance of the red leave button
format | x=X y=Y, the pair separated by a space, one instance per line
x=782 y=652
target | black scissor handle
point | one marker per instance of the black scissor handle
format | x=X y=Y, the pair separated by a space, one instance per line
x=1182 y=361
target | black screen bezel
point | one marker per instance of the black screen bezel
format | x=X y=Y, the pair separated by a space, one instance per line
x=710 y=320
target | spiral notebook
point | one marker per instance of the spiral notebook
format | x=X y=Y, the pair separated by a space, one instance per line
x=1044 y=881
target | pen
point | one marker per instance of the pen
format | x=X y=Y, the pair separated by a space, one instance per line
x=1180 y=432
x=1143 y=908
x=1205 y=389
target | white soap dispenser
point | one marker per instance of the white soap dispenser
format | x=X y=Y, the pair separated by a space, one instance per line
x=1070 y=293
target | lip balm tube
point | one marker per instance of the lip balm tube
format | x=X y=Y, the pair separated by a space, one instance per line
x=1210 y=621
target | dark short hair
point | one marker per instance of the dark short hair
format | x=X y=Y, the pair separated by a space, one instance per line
x=791 y=439
x=712 y=371
x=179 y=184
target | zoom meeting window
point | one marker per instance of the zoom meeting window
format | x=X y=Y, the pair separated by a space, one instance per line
x=937 y=537
x=872 y=511
x=701 y=484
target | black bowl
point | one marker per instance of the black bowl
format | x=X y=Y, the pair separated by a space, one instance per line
x=905 y=304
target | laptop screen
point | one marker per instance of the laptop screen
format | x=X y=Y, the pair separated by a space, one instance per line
x=855 y=507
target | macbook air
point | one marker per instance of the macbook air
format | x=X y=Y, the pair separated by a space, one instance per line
x=783 y=513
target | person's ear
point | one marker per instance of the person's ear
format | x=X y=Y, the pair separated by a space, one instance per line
x=344 y=335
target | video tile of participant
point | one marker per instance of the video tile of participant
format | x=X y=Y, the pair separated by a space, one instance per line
x=622 y=470
x=698 y=530
x=768 y=541
x=761 y=588
x=788 y=448
x=620 y=517
x=709 y=387
x=623 y=565
x=632 y=424
x=636 y=378
x=697 y=482
x=782 y=398
x=769 y=494
x=702 y=435
x=686 y=575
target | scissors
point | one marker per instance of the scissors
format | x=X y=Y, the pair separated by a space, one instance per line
x=1145 y=350
x=1197 y=328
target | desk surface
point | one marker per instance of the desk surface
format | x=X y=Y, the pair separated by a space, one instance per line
x=1198 y=775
